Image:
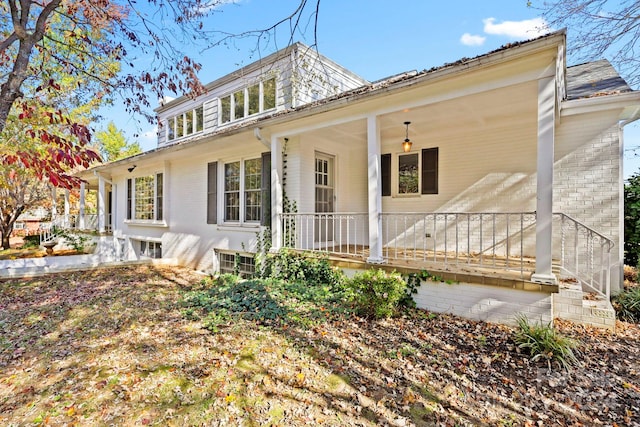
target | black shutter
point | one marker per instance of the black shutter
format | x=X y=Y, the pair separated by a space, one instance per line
x=385 y=166
x=266 y=190
x=430 y=171
x=129 y=198
x=212 y=193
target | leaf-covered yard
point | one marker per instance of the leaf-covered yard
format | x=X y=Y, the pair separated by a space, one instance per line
x=116 y=347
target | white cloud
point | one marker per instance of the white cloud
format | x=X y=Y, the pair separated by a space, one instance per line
x=526 y=29
x=471 y=40
x=148 y=139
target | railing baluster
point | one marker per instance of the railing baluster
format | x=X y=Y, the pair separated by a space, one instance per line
x=468 y=239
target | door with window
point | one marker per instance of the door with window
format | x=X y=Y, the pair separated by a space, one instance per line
x=324 y=198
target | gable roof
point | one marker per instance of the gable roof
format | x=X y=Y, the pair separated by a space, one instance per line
x=596 y=78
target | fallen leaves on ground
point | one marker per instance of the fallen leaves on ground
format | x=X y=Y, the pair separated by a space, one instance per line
x=112 y=347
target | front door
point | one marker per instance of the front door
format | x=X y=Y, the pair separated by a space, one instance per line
x=325 y=199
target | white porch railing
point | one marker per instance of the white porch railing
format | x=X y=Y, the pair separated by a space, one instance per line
x=582 y=253
x=496 y=240
x=499 y=241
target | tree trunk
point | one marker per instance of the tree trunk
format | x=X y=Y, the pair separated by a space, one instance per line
x=5 y=241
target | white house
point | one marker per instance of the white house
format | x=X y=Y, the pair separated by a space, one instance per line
x=514 y=170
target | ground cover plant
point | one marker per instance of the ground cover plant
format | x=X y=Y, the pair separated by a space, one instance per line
x=116 y=347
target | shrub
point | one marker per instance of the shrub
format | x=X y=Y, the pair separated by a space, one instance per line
x=31 y=241
x=627 y=305
x=544 y=343
x=375 y=293
x=303 y=267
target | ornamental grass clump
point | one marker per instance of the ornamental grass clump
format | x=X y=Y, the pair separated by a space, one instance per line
x=376 y=293
x=544 y=343
x=627 y=305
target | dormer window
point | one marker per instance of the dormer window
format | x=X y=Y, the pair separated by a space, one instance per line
x=185 y=124
x=248 y=101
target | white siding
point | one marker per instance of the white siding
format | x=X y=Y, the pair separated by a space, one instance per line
x=210 y=115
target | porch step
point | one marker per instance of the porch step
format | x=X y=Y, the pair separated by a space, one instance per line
x=571 y=303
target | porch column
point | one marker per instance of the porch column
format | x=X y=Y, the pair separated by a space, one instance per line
x=66 y=209
x=544 y=189
x=276 y=194
x=54 y=204
x=375 y=191
x=81 y=223
x=102 y=206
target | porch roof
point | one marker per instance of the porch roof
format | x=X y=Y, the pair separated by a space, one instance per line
x=596 y=78
x=377 y=88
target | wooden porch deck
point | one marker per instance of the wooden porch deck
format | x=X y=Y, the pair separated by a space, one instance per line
x=513 y=272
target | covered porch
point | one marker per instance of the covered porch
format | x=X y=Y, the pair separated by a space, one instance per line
x=475 y=188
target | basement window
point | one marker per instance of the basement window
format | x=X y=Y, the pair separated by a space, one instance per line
x=243 y=265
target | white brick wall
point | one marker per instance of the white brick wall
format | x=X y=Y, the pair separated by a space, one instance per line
x=483 y=302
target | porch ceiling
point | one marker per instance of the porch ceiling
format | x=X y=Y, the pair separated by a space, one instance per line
x=493 y=109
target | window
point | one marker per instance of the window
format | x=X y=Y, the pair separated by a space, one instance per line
x=171 y=128
x=237 y=264
x=145 y=198
x=243 y=191
x=199 y=118
x=238 y=105
x=246 y=191
x=18 y=226
x=150 y=249
x=251 y=100
x=417 y=173
x=185 y=124
x=408 y=173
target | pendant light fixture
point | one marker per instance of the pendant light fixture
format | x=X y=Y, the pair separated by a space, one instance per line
x=406 y=144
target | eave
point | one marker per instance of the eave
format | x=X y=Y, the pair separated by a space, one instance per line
x=628 y=103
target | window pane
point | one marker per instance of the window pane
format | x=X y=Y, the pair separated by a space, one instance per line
x=232 y=206
x=199 y=119
x=232 y=191
x=253 y=189
x=269 y=94
x=408 y=174
x=238 y=98
x=188 y=117
x=254 y=99
x=225 y=109
x=232 y=176
x=171 y=128
x=144 y=197
x=179 y=126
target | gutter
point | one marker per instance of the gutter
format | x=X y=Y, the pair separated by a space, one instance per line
x=606 y=102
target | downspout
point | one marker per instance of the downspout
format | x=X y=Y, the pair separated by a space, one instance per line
x=258 y=135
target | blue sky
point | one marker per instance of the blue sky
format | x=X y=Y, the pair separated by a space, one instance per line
x=372 y=38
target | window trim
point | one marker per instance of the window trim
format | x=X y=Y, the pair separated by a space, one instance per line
x=159 y=200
